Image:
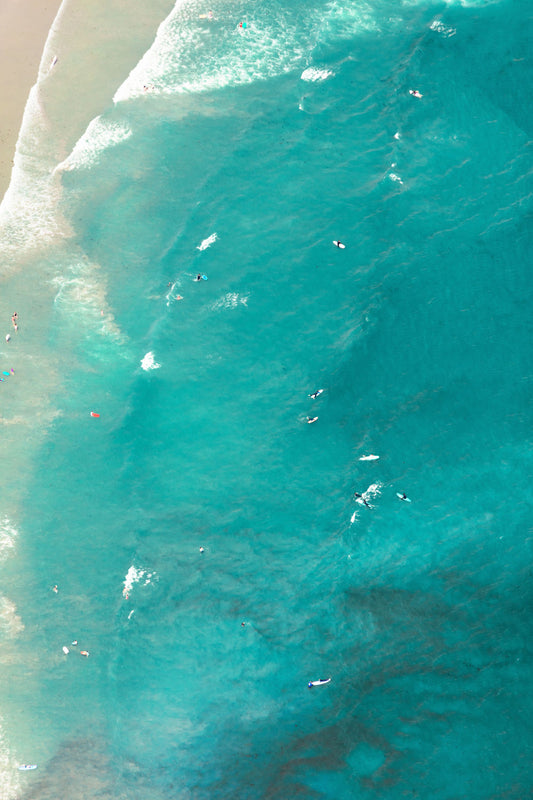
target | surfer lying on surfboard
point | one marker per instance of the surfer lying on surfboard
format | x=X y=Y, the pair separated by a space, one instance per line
x=359 y=496
x=403 y=496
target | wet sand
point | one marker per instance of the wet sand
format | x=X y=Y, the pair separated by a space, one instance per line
x=24 y=26
x=93 y=59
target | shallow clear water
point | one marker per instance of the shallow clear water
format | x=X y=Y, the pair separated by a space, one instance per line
x=279 y=138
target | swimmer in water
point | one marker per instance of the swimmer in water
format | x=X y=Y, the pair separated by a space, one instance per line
x=415 y=93
x=198 y=278
x=359 y=496
x=315 y=394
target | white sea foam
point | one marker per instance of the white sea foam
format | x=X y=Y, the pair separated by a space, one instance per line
x=350 y=18
x=100 y=135
x=8 y=534
x=207 y=242
x=186 y=58
x=10 y=622
x=173 y=295
x=29 y=216
x=149 y=362
x=370 y=494
x=9 y=777
x=444 y=30
x=314 y=74
x=136 y=575
x=230 y=300
x=81 y=294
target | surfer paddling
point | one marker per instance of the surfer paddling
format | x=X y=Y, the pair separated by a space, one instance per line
x=415 y=93
x=358 y=496
x=403 y=496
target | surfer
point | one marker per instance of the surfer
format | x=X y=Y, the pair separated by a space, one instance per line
x=359 y=496
x=315 y=394
x=415 y=93
x=339 y=244
x=310 y=420
x=14 y=320
x=403 y=496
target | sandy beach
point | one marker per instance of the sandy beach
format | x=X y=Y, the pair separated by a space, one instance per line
x=86 y=40
x=24 y=26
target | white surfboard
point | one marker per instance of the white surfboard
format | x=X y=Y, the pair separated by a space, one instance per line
x=319 y=682
x=23 y=767
x=316 y=394
x=339 y=244
x=369 y=458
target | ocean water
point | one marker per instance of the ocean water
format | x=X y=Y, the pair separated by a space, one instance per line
x=207 y=545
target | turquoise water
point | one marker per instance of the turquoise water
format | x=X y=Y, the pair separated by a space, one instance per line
x=200 y=499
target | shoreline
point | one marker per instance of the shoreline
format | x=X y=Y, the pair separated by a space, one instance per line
x=93 y=60
x=21 y=49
